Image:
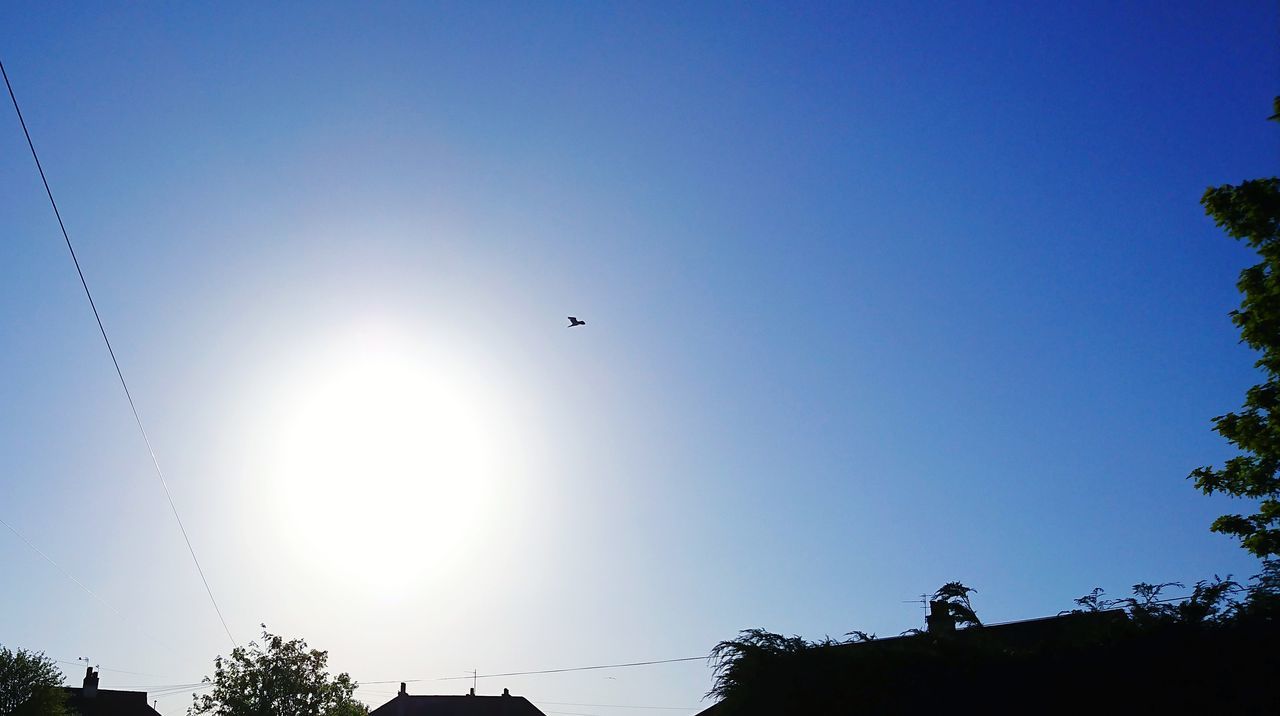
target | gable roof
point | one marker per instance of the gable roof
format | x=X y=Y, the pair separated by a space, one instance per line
x=109 y=703
x=406 y=705
x=89 y=700
x=1054 y=664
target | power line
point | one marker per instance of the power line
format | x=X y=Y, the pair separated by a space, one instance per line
x=119 y=373
x=103 y=668
x=542 y=671
x=567 y=703
x=157 y=688
x=617 y=706
x=87 y=590
x=578 y=668
x=57 y=566
x=165 y=693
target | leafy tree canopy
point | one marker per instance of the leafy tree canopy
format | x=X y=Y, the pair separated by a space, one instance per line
x=954 y=597
x=29 y=685
x=1211 y=652
x=1216 y=602
x=759 y=665
x=276 y=678
x=1250 y=212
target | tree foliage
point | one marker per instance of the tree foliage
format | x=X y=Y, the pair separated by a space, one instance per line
x=1217 y=602
x=1210 y=652
x=769 y=671
x=276 y=678
x=30 y=685
x=1250 y=212
x=955 y=598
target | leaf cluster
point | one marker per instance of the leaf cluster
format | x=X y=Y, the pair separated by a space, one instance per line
x=276 y=677
x=762 y=662
x=30 y=685
x=1250 y=212
x=955 y=598
x=1216 y=602
x=1153 y=655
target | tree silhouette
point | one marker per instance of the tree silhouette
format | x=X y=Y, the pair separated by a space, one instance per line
x=29 y=685
x=276 y=678
x=954 y=597
x=1250 y=211
x=1210 y=652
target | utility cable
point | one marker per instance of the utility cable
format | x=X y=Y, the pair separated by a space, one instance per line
x=158 y=688
x=58 y=567
x=543 y=671
x=619 y=706
x=88 y=591
x=577 y=668
x=101 y=668
x=119 y=373
x=166 y=693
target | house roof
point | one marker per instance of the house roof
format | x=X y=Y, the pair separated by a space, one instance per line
x=109 y=703
x=506 y=705
x=89 y=700
x=1063 y=631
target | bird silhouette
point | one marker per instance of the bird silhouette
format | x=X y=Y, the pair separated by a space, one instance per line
x=575 y=322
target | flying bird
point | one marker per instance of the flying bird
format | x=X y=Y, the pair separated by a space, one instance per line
x=575 y=322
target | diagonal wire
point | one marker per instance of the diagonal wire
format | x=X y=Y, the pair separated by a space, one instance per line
x=576 y=668
x=119 y=373
x=543 y=671
x=57 y=566
x=88 y=591
x=620 y=706
x=102 y=668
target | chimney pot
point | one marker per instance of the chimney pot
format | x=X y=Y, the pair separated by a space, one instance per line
x=506 y=692
x=90 y=689
x=473 y=691
x=403 y=692
x=940 y=619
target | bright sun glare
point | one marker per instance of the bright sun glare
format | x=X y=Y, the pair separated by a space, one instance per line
x=384 y=454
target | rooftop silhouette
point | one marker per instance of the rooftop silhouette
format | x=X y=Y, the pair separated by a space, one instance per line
x=406 y=704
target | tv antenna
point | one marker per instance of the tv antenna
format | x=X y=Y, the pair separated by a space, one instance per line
x=923 y=601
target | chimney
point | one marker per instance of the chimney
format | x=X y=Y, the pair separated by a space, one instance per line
x=403 y=691
x=506 y=692
x=90 y=689
x=940 y=620
x=473 y=691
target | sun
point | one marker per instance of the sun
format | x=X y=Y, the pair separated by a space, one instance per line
x=384 y=453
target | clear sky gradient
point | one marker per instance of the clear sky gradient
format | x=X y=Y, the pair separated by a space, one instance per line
x=879 y=295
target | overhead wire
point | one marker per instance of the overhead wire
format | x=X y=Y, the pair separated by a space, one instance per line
x=103 y=668
x=616 y=706
x=576 y=668
x=88 y=591
x=577 y=713
x=119 y=373
x=156 y=688
x=541 y=671
x=60 y=568
x=177 y=691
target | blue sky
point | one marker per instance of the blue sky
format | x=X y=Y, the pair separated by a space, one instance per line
x=878 y=296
